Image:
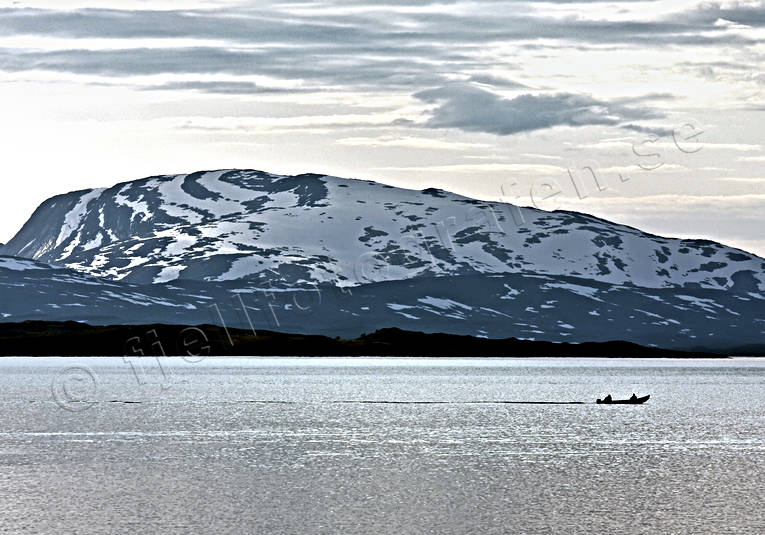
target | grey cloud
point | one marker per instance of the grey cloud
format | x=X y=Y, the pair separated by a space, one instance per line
x=232 y=25
x=321 y=70
x=473 y=109
x=222 y=87
x=377 y=49
x=277 y=24
x=645 y=98
x=659 y=131
x=740 y=13
x=133 y=61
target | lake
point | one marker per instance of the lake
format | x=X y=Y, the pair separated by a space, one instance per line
x=380 y=445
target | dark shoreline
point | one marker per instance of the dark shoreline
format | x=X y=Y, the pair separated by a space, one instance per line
x=37 y=338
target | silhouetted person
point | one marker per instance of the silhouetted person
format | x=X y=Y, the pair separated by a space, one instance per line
x=607 y=399
x=633 y=397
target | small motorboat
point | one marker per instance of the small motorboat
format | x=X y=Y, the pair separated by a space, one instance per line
x=634 y=400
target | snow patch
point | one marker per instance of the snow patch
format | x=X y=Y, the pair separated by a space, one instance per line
x=584 y=291
x=16 y=264
x=169 y=273
x=74 y=217
x=443 y=304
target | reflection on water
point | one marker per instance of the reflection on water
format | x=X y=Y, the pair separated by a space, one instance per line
x=316 y=446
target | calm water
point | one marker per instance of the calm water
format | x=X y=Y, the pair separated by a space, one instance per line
x=294 y=446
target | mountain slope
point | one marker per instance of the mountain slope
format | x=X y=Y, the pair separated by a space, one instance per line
x=31 y=290
x=256 y=228
x=530 y=307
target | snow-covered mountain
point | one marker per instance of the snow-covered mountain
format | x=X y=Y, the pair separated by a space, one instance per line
x=305 y=229
x=319 y=254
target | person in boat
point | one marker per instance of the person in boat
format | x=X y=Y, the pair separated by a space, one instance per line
x=607 y=399
x=633 y=397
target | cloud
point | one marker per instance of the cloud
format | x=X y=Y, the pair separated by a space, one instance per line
x=232 y=25
x=543 y=169
x=659 y=131
x=497 y=81
x=386 y=43
x=222 y=88
x=743 y=13
x=473 y=109
x=409 y=142
x=288 y=63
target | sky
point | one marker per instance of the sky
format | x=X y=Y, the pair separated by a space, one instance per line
x=651 y=114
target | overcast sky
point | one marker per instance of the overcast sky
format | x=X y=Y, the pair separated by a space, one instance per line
x=493 y=99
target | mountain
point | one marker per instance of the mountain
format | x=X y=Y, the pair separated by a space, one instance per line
x=324 y=255
x=306 y=229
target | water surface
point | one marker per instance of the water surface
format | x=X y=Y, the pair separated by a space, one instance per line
x=249 y=445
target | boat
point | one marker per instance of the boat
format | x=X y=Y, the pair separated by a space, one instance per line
x=632 y=401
